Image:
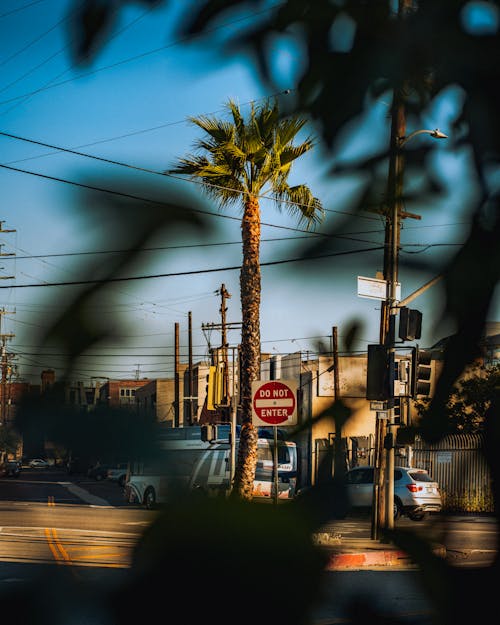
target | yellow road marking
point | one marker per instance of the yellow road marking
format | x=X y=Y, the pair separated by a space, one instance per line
x=59 y=552
x=52 y=547
x=61 y=556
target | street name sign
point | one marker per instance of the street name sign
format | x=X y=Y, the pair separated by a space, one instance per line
x=373 y=288
x=274 y=402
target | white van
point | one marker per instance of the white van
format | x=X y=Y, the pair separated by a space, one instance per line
x=190 y=463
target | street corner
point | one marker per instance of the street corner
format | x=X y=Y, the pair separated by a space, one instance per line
x=356 y=556
x=368 y=559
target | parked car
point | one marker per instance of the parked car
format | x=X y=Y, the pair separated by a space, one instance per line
x=415 y=492
x=10 y=468
x=98 y=471
x=38 y=463
x=118 y=473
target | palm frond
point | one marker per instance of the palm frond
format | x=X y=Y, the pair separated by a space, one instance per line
x=300 y=200
x=244 y=156
x=291 y=153
x=220 y=131
x=288 y=129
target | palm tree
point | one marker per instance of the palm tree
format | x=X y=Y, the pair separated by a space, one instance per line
x=240 y=161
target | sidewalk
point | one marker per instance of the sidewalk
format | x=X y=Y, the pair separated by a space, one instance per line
x=359 y=553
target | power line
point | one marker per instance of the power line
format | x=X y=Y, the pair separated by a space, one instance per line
x=26 y=6
x=192 y=272
x=50 y=84
x=26 y=47
x=159 y=202
x=135 y=57
x=110 y=161
x=140 y=131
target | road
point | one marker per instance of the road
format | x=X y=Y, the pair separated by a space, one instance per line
x=47 y=518
x=56 y=529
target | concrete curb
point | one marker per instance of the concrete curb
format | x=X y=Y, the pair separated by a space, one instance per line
x=360 y=553
x=379 y=557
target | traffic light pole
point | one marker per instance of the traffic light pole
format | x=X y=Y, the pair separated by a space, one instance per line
x=383 y=483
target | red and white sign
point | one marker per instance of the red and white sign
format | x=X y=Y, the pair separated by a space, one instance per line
x=274 y=402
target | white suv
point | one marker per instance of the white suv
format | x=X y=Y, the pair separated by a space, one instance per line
x=415 y=493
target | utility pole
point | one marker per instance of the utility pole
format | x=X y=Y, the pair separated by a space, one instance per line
x=190 y=368
x=224 y=345
x=176 y=378
x=338 y=458
x=336 y=377
x=4 y=368
x=224 y=326
x=5 y=357
x=383 y=482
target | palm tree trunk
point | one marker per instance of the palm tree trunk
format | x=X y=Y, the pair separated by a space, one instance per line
x=250 y=288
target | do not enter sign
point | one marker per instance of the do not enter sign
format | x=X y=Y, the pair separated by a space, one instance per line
x=274 y=403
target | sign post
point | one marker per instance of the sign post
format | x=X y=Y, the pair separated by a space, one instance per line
x=274 y=403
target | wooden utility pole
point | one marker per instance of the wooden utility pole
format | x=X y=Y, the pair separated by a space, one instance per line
x=176 y=379
x=382 y=495
x=5 y=358
x=336 y=377
x=190 y=368
x=338 y=458
x=224 y=345
x=222 y=352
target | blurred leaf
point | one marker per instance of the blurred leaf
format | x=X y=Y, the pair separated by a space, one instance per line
x=221 y=551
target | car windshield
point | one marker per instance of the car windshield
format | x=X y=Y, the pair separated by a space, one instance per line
x=420 y=476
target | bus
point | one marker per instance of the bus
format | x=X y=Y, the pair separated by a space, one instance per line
x=184 y=462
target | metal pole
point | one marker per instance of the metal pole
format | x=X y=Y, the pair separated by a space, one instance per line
x=232 y=468
x=234 y=409
x=275 y=465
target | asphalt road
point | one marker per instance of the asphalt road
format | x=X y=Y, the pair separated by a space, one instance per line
x=56 y=529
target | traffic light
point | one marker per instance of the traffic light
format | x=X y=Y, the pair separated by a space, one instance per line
x=380 y=373
x=422 y=372
x=214 y=387
x=410 y=324
x=397 y=410
x=208 y=433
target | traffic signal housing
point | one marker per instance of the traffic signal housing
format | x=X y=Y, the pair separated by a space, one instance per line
x=380 y=373
x=208 y=433
x=422 y=372
x=397 y=410
x=214 y=387
x=410 y=324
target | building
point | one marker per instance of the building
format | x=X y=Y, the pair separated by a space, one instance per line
x=120 y=393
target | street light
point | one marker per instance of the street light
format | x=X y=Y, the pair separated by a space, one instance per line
x=435 y=134
x=384 y=457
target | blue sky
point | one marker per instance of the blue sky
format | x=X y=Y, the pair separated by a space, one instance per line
x=131 y=105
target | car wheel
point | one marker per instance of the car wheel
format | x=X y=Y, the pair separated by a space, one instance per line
x=150 y=498
x=397 y=510
x=417 y=516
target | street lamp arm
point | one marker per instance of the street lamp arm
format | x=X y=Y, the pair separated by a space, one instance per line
x=416 y=293
x=435 y=134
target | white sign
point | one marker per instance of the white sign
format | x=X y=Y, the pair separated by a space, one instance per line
x=373 y=288
x=443 y=457
x=274 y=402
